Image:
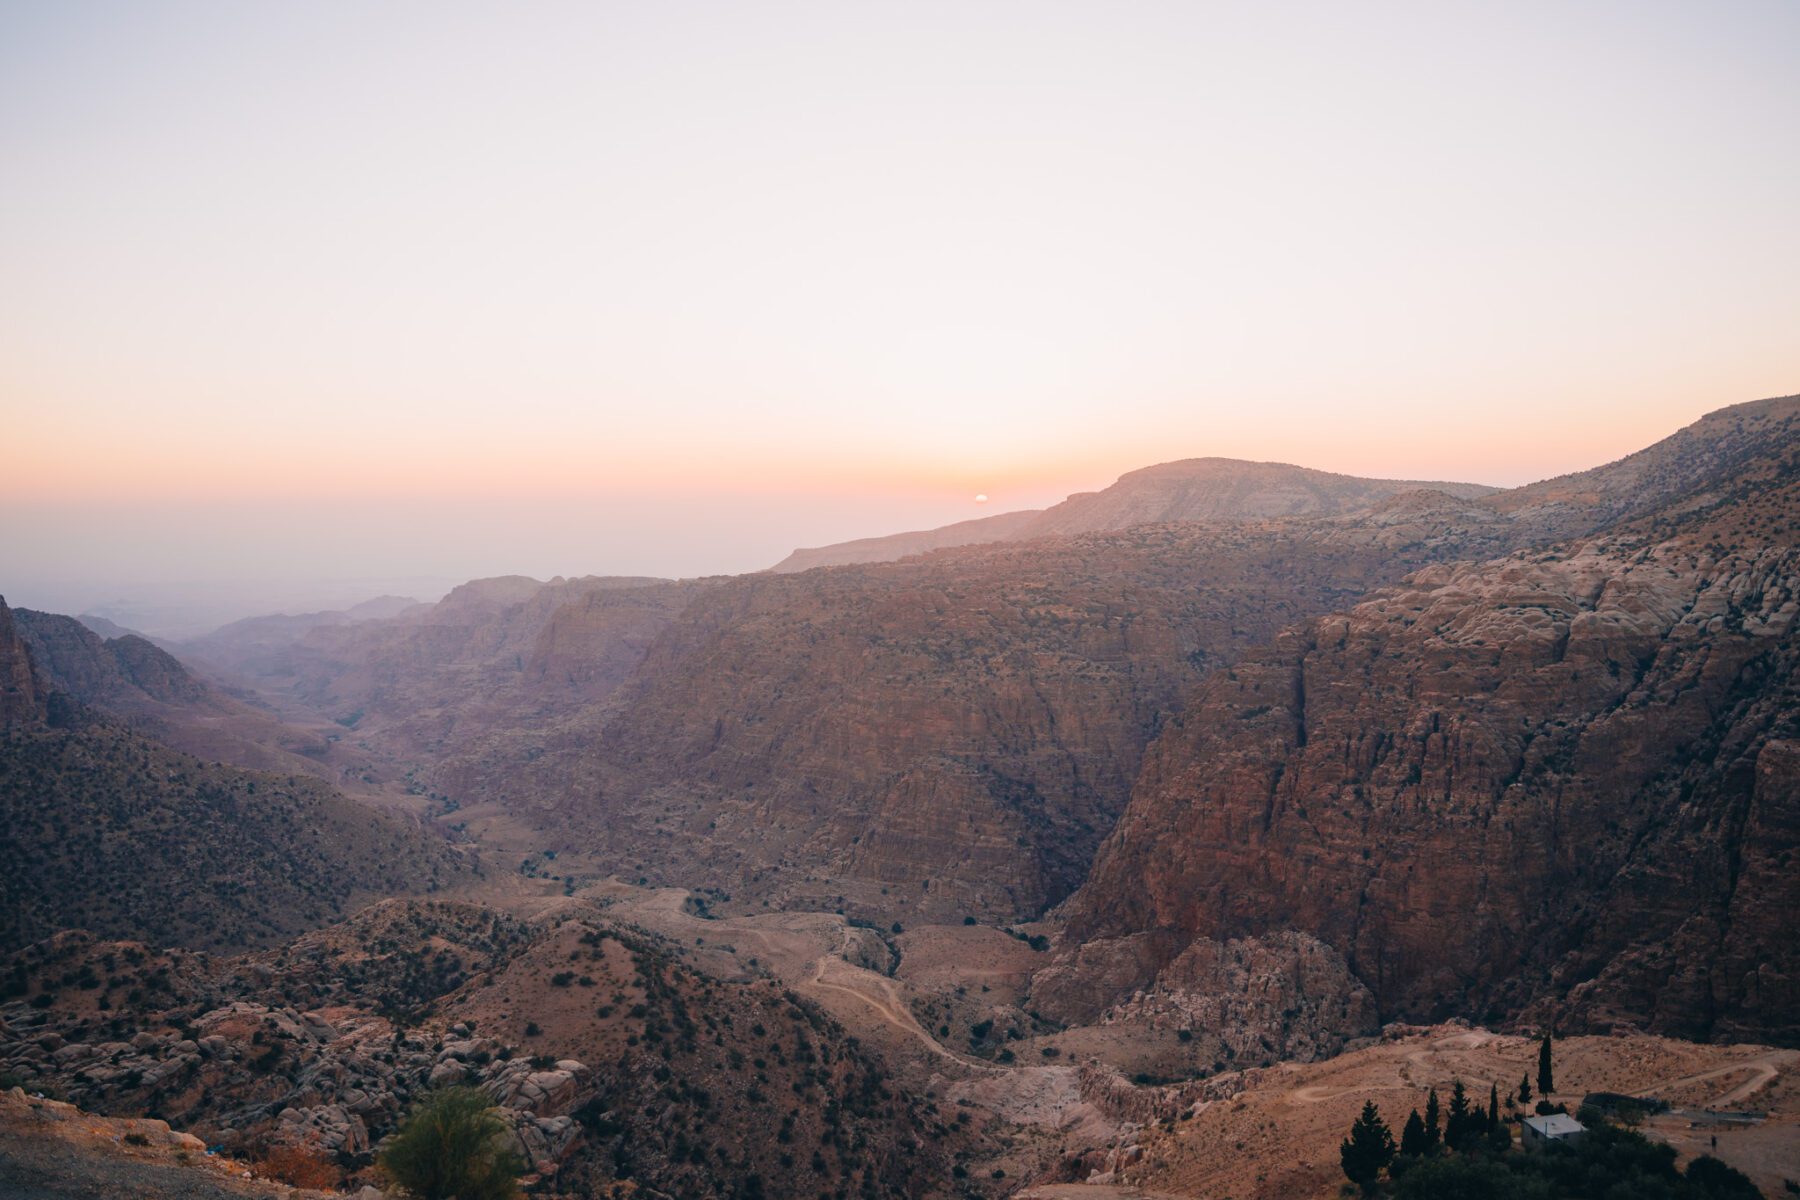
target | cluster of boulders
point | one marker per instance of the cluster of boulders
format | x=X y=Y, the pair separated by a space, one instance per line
x=1284 y=995
x=247 y=1075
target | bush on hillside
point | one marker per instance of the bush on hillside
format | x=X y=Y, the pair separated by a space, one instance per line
x=454 y=1145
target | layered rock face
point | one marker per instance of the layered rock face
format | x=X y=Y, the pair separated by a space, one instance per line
x=123 y=675
x=1559 y=783
x=948 y=736
x=20 y=703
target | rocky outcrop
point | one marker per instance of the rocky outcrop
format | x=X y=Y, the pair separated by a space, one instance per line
x=1558 y=783
x=1247 y=1001
x=20 y=701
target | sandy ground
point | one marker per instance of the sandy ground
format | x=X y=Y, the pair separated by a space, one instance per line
x=1279 y=1137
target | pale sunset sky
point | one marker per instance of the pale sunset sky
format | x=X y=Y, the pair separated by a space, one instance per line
x=310 y=293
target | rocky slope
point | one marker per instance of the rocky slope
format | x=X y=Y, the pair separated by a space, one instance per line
x=106 y=829
x=124 y=675
x=144 y=687
x=946 y=736
x=1193 y=489
x=1002 y=527
x=609 y=1058
x=1724 y=450
x=1559 y=784
x=103 y=829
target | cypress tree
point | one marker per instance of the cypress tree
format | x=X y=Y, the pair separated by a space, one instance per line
x=1368 y=1149
x=1493 y=1113
x=1546 y=1076
x=1413 y=1141
x=1433 y=1133
x=1525 y=1088
x=1461 y=1122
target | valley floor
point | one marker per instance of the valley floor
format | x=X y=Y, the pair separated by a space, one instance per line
x=1271 y=1132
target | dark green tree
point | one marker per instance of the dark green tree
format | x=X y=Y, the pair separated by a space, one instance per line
x=1368 y=1149
x=1525 y=1089
x=1546 y=1076
x=1461 y=1125
x=1434 y=1134
x=454 y=1146
x=1713 y=1179
x=1413 y=1142
x=1498 y=1136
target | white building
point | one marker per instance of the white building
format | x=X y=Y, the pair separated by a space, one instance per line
x=1556 y=1127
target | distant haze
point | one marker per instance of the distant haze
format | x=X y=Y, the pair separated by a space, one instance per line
x=376 y=294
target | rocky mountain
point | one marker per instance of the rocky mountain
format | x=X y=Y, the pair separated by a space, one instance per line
x=1225 y=489
x=1002 y=527
x=1194 y=489
x=125 y=675
x=144 y=687
x=946 y=736
x=107 y=629
x=106 y=829
x=1561 y=784
x=1724 y=450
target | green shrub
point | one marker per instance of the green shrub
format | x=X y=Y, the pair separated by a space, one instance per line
x=454 y=1145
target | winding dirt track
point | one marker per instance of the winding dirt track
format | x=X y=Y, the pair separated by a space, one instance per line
x=878 y=993
x=1767 y=1068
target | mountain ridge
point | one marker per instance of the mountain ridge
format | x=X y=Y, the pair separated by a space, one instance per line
x=1207 y=488
x=1555 y=785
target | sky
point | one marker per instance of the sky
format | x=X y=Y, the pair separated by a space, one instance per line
x=308 y=296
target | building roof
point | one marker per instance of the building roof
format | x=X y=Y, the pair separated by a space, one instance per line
x=1556 y=1125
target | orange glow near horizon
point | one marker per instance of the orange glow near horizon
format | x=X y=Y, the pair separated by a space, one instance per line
x=677 y=288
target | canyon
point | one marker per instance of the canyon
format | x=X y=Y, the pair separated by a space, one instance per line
x=1027 y=852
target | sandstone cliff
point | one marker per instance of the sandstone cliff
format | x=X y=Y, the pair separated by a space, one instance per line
x=1558 y=784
